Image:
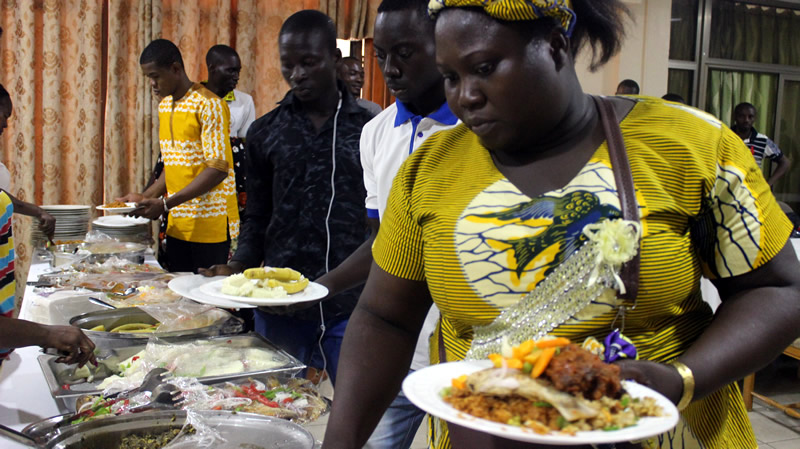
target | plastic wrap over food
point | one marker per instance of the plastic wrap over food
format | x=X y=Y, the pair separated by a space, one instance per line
x=296 y=399
x=123 y=283
x=183 y=315
x=200 y=436
x=197 y=359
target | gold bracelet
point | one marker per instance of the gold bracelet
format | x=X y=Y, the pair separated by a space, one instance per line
x=688 y=384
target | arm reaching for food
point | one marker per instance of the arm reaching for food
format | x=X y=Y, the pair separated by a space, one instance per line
x=157 y=189
x=16 y=333
x=376 y=353
x=47 y=223
x=354 y=270
x=152 y=208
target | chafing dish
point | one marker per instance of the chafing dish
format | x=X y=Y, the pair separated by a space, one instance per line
x=238 y=429
x=96 y=252
x=224 y=324
x=64 y=385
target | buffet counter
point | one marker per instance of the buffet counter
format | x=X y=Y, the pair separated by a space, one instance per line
x=24 y=395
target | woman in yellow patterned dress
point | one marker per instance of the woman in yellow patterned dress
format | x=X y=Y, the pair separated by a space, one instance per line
x=480 y=214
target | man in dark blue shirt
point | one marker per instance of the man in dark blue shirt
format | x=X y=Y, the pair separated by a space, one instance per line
x=305 y=206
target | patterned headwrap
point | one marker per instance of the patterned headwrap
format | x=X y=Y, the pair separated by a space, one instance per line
x=511 y=10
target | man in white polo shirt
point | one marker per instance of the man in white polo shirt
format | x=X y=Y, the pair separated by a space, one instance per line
x=405 y=52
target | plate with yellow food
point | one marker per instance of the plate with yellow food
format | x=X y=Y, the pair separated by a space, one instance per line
x=188 y=286
x=117 y=207
x=265 y=286
x=547 y=392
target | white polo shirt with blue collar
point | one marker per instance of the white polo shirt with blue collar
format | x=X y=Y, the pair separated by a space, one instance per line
x=386 y=141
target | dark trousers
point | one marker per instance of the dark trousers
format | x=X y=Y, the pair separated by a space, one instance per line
x=300 y=338
x=189 y=256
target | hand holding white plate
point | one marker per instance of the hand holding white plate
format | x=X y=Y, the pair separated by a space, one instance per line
x=312 y=292
x=187 y=286
x=423 y=388
x=129 y=207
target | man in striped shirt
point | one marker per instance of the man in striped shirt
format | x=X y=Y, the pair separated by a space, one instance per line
x=744 y=115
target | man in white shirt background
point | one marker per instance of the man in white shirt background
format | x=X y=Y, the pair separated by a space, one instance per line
x=405 y=52
x=224 y=66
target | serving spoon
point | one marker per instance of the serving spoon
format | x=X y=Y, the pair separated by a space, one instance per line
x=19 y=437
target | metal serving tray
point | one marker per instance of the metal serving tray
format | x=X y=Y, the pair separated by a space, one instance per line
x=63 y=385
x=226 y=324
x=240 y=430
x=99 y=252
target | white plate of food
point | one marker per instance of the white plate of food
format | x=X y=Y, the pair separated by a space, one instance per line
x=187 y=286
x=117 y=207
x=425 y=388
x=214 y=290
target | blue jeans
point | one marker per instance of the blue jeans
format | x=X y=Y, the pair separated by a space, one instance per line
x=300 y=338
x=398 y=426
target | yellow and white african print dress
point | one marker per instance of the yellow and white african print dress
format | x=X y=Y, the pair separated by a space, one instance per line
x=194 y=134
x=455 y=222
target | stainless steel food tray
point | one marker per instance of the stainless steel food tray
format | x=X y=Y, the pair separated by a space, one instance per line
x=100 y=252
x=238 y=429
x=226 y=324
x=46 y=426
x=63 y=385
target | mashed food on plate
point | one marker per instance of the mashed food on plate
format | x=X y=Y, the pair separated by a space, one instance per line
x=264 y=282
x=549 y=386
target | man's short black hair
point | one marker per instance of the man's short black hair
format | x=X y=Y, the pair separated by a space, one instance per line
x=421 y=6
x=219 y=52
x=161 y=51
x=309 y=20
x=4 y=93
x=743 y=105
x=350 y=58
x=674 y=97
x=630 y=84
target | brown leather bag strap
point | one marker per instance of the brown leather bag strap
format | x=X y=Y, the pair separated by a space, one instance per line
x=625 y=188
x=442 y=352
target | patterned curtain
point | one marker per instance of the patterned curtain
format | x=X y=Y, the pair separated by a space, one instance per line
x=257 y=26
x=131 y=132
x=195 y=27
x=84 y=128
x=52 y=66
x=355 y=19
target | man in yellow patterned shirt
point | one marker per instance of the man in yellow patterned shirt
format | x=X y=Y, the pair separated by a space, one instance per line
x=197 y=187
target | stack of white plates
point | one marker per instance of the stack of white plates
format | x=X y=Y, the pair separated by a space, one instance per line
x=72 y=223
x=124 y=228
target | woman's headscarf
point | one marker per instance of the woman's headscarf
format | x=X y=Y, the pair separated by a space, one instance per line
x=512 y=10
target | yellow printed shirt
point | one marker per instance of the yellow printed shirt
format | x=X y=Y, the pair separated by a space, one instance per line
x=194 y=134
x=455 y=222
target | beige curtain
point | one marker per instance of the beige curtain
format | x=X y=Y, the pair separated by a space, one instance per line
x=258 y=23
x=84 y=128
x=194 y=27
x=52 y=66
x=355 y=19
x=131 y=133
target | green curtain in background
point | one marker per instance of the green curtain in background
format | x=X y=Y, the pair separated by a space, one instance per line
x=763 y=34
x=787 y=189
x=745 y=32
x=683 y=30
x=680 y=82
x=726 y=89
